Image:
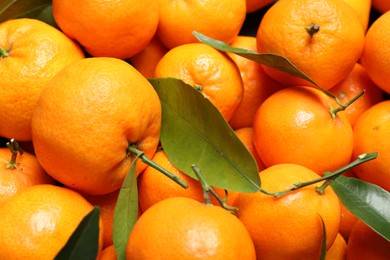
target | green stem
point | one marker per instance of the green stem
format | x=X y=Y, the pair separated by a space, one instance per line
x=14 y=148
x=207 y=189
x=328 y=176
x=342 y=107
x=133 y=149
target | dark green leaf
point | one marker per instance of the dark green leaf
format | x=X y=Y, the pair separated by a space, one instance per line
x=125 y=212
x=84 y=242
x=367 y=201
x=25 y=8
x=324 y=241
x=194 y=132
x=272 y=60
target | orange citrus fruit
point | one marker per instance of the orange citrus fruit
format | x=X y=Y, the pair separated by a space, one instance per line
x=31 y=53
x=347 y=221
x=19 y=173
x=118 y=29
x=109 y=253
x=221 y=20
x=337 y=250
x=154 y=186
x=212 y=72
x=183 y=228
x=376 y=53
x=311 y=33
x=246 y=136
x=381 y=5
x=365 y=243
x=257 y=84
x=146 y=60
x=290 y=226
x=88 y=117
x=371 y=132
x=254 y=5
x=356 y=82
x=362 y=9
x=294 y=125
x=36 y=223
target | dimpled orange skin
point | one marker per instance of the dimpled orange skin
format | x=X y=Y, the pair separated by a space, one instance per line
x=221 y=20
x=302 y=130
x=27 y=173
x=289 y=227
x=371 y=132
x=37 y=51
x=146 y=60
x=356 y=82
x=376 y=54
x=362 y=9
x=257 y=84
x=201 y=65
x=283 y=31
x=109 y=28
x=36 y=223
x=86 y=118
x=365 y=243
x=246 y=136
x=338 y=250
x=183 y=228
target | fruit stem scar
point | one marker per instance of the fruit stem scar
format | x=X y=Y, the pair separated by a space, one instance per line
x=312 y=29
x=198 y=87
x=15 y=148
x=132 y=149
x=4 y=52
x=207 y=189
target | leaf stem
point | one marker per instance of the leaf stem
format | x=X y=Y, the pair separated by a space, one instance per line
x=328 y=177
x=134 y=150
x=207 y=189
x=14 y=148
x=342 y=107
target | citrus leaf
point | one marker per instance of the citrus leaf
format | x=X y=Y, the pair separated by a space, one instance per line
x=194 y=132
x=269 y=59
x=324 y=241
x=367 y=201
x=84 y=242
x=125 y=212
x=22 y=8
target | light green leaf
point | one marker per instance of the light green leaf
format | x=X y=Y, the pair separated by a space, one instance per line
x=125 y=212
x=194 y=132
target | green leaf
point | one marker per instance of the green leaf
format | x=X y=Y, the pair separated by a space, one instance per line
x=269 y=59
x=324 y=241
x=84 y=242
x=40 y=9
x=367 y=201
x=194 y=132
x=126 y=211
